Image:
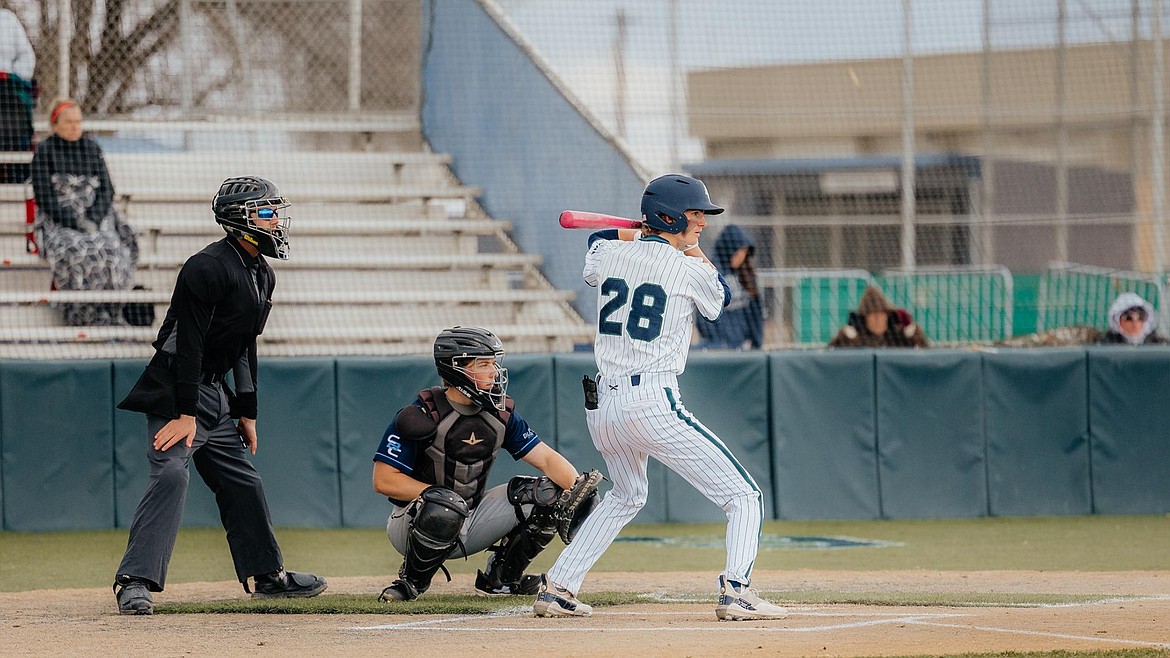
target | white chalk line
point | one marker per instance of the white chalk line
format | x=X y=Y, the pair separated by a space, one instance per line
x=663 y=598
x=465 y=623
x=570 y=626
x=1063 y=636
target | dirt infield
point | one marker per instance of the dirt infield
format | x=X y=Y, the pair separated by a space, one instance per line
x=1133 y=612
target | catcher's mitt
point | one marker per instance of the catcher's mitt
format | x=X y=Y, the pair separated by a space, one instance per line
x=575 y=503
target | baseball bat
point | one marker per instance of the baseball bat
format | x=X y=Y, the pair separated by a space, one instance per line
x=582 y=219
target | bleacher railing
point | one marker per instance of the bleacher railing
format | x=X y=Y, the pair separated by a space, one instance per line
x=955 y=304
x=808 y=306
x=1071 y=294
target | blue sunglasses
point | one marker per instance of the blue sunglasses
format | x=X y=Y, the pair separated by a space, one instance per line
x=267 y=213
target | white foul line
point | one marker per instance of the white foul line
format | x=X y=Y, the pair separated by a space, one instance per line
x=1063 y=636
x=555 y=627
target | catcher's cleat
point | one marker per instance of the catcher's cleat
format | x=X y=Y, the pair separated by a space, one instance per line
x=741 y=603
x=527 y=585
x=288 y=584
x=399 y=590
x=133 y=596
x=556 y=601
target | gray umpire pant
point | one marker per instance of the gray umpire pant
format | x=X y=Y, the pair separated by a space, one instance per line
x=492 y=518
x=222 y=461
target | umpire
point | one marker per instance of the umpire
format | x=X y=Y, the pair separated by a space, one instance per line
x=220 y=305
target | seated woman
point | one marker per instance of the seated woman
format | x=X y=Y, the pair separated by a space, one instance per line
x=878 y=323
x=88 y=244
x=1132 y=322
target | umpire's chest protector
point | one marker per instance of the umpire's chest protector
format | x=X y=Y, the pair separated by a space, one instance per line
x=465 y=446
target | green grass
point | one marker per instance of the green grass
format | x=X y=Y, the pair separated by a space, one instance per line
x=1083 y=543
x=346 y=604
x=466 y=604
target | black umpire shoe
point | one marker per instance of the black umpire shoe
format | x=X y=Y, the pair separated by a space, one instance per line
x=528 y=585
x=133 y=596
x=288 y=584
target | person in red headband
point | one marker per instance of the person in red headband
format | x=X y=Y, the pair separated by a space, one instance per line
x=84 y=237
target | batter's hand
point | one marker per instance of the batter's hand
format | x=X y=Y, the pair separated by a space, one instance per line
x=247 y=429
x=179 y=429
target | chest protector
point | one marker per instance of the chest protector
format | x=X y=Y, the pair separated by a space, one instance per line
x=464 y=447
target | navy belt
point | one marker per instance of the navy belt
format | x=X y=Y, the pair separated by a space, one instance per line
x=211 y=378
x=635 y=380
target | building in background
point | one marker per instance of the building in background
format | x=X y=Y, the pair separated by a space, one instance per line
x=1013 y=167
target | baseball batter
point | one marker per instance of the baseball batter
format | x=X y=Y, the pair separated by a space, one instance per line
x=649 y=285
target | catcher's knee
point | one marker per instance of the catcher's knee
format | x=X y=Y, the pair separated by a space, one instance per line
x=440 y=515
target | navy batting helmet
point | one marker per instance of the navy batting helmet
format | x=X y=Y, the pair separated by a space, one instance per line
x=668 y=198
x=455 y=347
x=241 y=197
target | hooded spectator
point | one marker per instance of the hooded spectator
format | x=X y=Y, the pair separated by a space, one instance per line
x=743 y=319
x=878 y=323
x=1132 y=321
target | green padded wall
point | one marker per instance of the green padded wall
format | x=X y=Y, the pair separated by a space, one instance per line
x=824 y=435
x=1129 y=429
x=58 y=445
x=370 y=391
x=297 y=441
x=1037 y=429
x=131 y=467
x=728 y=394
x=574 y=442
x=930 y=434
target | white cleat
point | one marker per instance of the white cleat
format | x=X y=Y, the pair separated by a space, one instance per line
x=743 y=604
x=556 y=601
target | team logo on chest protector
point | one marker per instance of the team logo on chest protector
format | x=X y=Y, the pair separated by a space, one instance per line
x=465 y=446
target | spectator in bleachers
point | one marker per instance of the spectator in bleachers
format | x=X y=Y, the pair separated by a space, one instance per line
x=878 y=323
x=742 y=321
x=17 y=94
x=1132 y=322
x=84 y=237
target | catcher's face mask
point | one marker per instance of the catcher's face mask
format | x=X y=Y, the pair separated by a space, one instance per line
x=489 y=379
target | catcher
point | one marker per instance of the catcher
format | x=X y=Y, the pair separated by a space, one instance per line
x=433 y=464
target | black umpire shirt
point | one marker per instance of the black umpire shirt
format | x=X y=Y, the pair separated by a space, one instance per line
x=221 y=301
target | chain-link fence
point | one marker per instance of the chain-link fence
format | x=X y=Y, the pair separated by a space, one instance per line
x=975 y=135
x=896 y=134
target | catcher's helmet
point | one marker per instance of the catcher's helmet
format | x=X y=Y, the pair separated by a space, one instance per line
x=235 y=203
x=456 y=346
x=668 y=198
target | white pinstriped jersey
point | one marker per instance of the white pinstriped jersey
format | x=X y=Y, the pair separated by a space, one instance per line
x=647 y=293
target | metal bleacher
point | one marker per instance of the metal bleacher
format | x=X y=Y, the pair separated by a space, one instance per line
x=388 y=248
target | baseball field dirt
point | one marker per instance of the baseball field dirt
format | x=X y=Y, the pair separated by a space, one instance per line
x=1127 y=610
